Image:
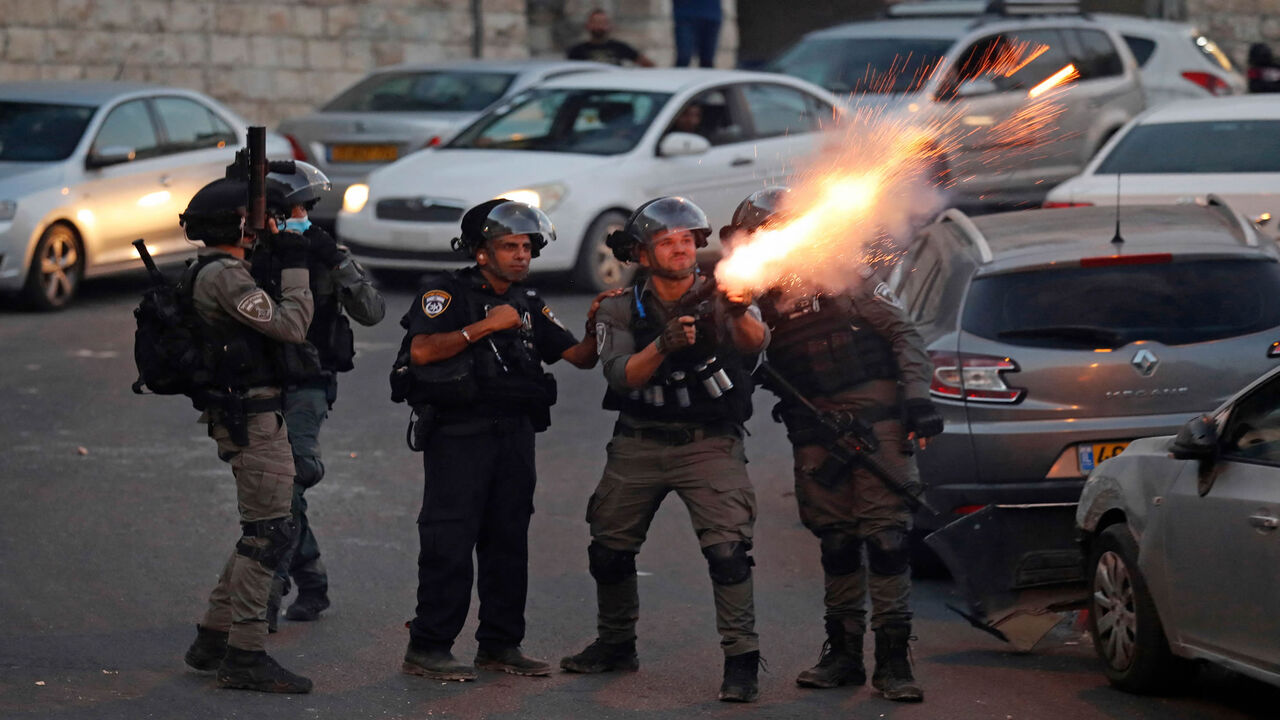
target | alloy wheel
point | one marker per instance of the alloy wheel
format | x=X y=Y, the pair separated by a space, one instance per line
x=58 y=265
x=1114 y=610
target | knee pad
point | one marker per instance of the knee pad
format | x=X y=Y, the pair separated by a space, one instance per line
x=279 y=534
x=888 y=552
x=841 y=553
x=728 y=563
x=309 y=471
x=610 y=567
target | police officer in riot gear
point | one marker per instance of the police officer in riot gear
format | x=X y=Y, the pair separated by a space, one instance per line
x=241 y=329
x=479 y=338
x=340 y=289
x=855 y=352
x=677 y=356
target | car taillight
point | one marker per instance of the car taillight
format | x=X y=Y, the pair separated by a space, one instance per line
x=433 y=142
x=967 y=509
x=1055 y=204
x=1211 y=83
x=298 y=152
x=1135 y=259
x=973 y=378
x=1274 y=350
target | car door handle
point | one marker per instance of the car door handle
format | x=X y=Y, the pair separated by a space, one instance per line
x=1264 y=522
x=166 y=180
x=739 y=162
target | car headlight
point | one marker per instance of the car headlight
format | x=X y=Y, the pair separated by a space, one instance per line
x=545 y=197
x=8 y=208
x=355 y=197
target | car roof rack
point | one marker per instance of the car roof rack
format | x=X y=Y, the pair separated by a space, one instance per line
x=978 y=8
x=1219 y=207
x=970 y=232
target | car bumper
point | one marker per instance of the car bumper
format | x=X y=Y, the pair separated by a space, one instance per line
x=15 y=240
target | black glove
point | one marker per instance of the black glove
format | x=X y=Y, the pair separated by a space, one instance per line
x=323 y=247
x=673 y=337
x=923 y=418
x=290 y=249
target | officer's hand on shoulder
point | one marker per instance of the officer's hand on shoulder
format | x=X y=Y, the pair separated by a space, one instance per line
x=324 y=247
x=503 y=317
x=290 y=249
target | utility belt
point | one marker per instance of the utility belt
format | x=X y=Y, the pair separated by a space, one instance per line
x=427 y=420
x=678 y=436
x=232 y=410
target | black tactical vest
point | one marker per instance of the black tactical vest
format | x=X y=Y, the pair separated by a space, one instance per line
x=240 y=358
x=822 y=346
x=690 y=385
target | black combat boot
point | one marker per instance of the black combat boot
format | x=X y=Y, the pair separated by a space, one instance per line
x=509 y=659
x=256 y=670
x=740 y=683
x=840 y=662
x=601 y=656
x=436 y=663
x=205 y=654
x=893 y=665
x=307 y=607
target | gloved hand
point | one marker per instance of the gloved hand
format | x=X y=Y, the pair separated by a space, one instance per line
x=678 y=334
x=290 y=249
x=923 y=418
x=323 y=247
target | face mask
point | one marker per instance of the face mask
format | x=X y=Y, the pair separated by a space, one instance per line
x=298 y=225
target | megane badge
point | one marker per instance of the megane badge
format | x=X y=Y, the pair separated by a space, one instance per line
x=1144 y=362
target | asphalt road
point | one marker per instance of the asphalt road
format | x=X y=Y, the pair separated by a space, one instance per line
x=117 y=516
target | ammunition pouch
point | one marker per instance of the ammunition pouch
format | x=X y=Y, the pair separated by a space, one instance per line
x=341 y=344
x=232 y=410
x=422 y=420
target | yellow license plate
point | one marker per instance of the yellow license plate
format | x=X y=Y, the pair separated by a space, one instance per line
x=1092 y=455
x=362 y=153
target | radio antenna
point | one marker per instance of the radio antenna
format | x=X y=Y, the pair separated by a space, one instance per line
x=1117 y=239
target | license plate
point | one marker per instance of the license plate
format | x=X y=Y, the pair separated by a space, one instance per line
x=1093 y=454
x=362 y=153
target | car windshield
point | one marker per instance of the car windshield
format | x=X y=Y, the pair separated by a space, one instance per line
x=594 y=122
x=440 y=91
x=864 y=65
x=1217 y=146
x=41 y=132
x=1108 y=307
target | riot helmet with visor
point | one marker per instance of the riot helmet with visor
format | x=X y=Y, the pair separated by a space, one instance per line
x=500 y=217
x=655 y=218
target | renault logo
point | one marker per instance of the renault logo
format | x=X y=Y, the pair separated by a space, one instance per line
x=1145 y=362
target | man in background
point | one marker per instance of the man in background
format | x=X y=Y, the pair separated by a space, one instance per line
x=602 y=48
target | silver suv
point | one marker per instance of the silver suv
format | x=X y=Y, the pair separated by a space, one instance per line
x=934 y=65
x=1054 y=345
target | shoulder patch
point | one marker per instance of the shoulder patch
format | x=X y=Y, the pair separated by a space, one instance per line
x=435 y=302
x=256 y=306
x=531 y=292
x=885 y=295
x=601 y=330
x=546 y=310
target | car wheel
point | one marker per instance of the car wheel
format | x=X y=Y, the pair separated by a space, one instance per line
x=597 y=269
x=1127 y=633
x=57 y=267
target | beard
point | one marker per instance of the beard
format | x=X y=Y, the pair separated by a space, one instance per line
x=670 y=273
x=598 y=35
x=511 y=276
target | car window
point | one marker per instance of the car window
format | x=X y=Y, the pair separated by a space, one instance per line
x=129 y=125
x=1253 y=429
x=1096 y=56
x=864 y=65
x=780 y=110
x=38 y=132
x=711 y=115
x=189 y=125
x=423 y=92
x=1175 y=303
x=1142 y=48
x=1220 y=146
x=596 y=122
x=1014 y=61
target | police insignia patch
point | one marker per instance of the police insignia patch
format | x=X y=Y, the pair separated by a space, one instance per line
x=435 y=302
x=601 y=329
x=546 y=310
x=256 y=306
x=885 y=295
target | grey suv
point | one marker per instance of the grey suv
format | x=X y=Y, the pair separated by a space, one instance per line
x=1055 y=346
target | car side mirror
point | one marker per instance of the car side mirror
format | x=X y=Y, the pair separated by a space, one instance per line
x=976 y=88
x=677 y=144
x=1197 y=440
x=111 y=155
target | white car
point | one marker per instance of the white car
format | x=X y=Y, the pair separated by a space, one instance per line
x=1185 y=151
x=589 y=149
x=1178 y=61
x=88 y=167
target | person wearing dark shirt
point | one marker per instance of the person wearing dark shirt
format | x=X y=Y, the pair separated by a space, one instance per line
x=697 y=26
x=602 y=48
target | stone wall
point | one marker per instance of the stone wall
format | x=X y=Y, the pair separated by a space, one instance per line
x=1234 y=24
x=555 y=25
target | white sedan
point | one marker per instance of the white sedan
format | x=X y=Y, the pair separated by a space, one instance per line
x=588 y=150
x=1183 y=152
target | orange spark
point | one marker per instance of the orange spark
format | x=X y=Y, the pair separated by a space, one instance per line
x=1066 y=74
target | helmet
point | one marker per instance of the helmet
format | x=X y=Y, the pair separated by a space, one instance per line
x=295 y=182
x=758 y=209
x=655 y=217
x=215 y=215
x=500 y=217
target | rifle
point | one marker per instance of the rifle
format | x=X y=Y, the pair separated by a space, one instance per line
x=854 y=444
x=156 y=277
